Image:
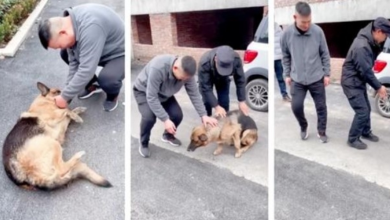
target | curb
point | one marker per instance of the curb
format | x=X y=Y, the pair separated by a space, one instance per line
x=13 y=46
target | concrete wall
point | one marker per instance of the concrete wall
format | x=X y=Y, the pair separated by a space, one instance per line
x=169 y=6
x=327 y=11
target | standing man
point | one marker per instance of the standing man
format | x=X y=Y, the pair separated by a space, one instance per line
x=154 y=91
x=278 y=64
x=89 y=35
x=215 y=69
x=306 y=65
x=357 y=71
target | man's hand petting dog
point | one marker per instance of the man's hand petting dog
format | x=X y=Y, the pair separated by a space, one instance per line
x=219 y=111
x=244 y=108
x=210 y=121
x=61 y=102
x=170 y=127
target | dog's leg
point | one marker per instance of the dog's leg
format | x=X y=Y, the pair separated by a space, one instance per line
x=74 y=116
x=237 y=144
x=67 y=166
x=79 y=110
x=219 y=149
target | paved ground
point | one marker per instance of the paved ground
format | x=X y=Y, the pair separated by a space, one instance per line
x=251 y=166
x=337 y=173
x=101 y=136
x=170 y=186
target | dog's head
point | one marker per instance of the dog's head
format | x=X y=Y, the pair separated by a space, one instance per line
x=45 y=101
x=198 y=138
x=47 y=92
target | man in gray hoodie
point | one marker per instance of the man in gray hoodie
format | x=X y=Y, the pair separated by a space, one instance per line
x=306 y=64
x=154 y=91
x=89 y=35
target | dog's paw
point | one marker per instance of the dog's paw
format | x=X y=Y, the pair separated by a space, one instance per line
x=80 y=154
x=238 y=155
x=217 y=152
x=77 y=119
x=79 y=110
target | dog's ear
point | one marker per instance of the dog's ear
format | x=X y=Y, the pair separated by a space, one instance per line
x=203 y=137
x=43 y=88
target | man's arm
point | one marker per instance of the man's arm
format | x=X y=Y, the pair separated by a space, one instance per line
x=73 y=66
x=155 y=79
x=324 y=53
x=91 y=47
x=239 y=79
x=195 y=97
x=206 y=86
x=286 y=59
x=363 y=61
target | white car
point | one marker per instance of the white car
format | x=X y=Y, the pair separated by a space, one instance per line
x=382 y=73
x=256 y=69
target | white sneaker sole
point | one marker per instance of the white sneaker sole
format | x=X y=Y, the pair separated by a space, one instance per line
x=166 y=141
x=97 y=91
x=116 y=105
x=321 y=140
x=140 y=152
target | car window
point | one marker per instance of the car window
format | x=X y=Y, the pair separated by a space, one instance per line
x=261 y=35
x=386 y=48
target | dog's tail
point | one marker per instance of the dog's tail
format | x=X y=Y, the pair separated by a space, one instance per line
x=81 y=170
x=249 y=137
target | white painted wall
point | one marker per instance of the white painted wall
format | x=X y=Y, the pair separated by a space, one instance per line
x=168 y=6
x=339 y=11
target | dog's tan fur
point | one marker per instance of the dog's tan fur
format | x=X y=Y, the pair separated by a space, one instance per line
x=228 y=132
x=38 y=162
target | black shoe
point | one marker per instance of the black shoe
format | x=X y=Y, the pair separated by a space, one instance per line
x=286 y=98
x=144 y=150
x=304 y=133
x=371 y=137
x=93 y=89
x=323 y=137
x=358 y=144
x=169 y=138
x=110 y=106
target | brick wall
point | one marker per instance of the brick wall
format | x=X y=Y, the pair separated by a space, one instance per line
x=285 y=3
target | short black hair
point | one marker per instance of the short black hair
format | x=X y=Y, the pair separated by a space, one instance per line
x=44 y=33
x=188 y=64
x=303 y=8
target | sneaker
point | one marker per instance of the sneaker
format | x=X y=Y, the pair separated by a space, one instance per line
x=93 y=89
x=110 y=106
x=371 y=137
x=286 y=98
x=144 y=150
x=322 y=136
x=169 y=138
x=358 y=144
x=304 y=133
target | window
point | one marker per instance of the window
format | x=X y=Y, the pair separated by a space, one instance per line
x=261 y=35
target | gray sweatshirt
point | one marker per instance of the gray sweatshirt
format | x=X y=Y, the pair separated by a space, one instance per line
x=100 y=37
x=306 y=56
x=159 y=84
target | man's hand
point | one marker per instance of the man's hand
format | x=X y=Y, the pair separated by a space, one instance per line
x=170 y=127
x=60 y=102
x=382 y=92
x=326 y=80
x=209 y=121
x=244 y=108
x=219 y=111
x=288 y=81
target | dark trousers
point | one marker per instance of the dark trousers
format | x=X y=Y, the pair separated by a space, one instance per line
x=317 y=91
x=148 y=119
x=110 y=77
x=223 y=90
x=279 y=77
x=361 y=124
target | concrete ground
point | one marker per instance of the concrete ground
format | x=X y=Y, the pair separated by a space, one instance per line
x=101 y=136
x=341 y=169
x=253 y=165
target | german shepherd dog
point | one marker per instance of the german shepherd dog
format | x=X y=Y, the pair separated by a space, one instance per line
x=235 y=129
x=32 y=152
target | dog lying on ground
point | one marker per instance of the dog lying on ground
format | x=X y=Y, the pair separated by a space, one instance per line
x=235 y=129
x=32 y=152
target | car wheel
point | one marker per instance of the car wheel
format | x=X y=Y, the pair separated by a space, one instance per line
x=383 y=105
x=257 y=95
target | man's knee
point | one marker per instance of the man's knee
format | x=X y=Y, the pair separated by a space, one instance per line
x=109 y=83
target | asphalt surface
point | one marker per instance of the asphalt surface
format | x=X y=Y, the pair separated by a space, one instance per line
x=170 y=186
x=101 y=136
x=330 y=181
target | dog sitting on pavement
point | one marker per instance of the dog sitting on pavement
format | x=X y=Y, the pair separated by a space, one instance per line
x=32 y=152
x=235 y=129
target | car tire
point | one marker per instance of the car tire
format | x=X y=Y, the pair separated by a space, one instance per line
x=383 y=105
x=257 y=95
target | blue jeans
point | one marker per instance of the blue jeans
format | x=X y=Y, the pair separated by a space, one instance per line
x=279 y=77
x=223 y=89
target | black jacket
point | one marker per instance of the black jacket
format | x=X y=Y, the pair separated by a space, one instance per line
x=208 y=76
x=357 y=67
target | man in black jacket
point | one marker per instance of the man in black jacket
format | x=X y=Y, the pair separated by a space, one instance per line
x=357 y=71
x=215 y=68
